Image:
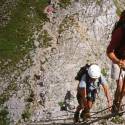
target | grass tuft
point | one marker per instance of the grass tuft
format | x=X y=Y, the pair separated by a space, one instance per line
x=15 y=37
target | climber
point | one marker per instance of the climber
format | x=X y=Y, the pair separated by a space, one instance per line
x=87 y=90
x=116 y=52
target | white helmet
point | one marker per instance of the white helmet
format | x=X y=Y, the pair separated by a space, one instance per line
x=94 y=71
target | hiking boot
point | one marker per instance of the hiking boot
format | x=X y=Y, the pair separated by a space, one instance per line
x=76 y=117
x=85 y=114
x=116 y=108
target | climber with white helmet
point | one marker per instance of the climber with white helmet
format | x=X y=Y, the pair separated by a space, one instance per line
x=88 y=87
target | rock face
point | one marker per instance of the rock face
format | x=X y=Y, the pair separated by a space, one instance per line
x=79 y=34
x=82 y=32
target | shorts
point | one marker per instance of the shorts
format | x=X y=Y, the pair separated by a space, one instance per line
x=115 y=70
x=91 y=96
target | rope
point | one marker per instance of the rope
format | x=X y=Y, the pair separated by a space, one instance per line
x=92 y=119
x=86 y=122
x=104 y=110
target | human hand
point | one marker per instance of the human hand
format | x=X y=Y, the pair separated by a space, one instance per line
x=122 y=64
x=110 y=105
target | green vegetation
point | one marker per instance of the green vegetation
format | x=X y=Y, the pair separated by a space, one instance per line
x=66 y=23
x=64 y=3
x=46 y=39
x=118 y=11
x=15 y=37
x=98 y=2
x=118 y=120
x=26 y=113
x=7 y=93
x=31 y=97
x=4 y=119
x=39 y=9
x=61 y=104
x=2 y=2
x=104 y=72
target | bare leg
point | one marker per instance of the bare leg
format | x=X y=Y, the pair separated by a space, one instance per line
x=90 y=103
x=86 y=112
x=76 y=115
x=78 y=108
x=117 y=97
x=118 y=90
x=121 y=95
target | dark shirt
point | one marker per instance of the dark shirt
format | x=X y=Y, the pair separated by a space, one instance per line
x=117 y=43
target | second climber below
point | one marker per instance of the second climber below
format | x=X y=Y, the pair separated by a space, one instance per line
x=87 y=90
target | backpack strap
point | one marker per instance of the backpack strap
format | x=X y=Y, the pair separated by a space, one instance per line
x=98 y=83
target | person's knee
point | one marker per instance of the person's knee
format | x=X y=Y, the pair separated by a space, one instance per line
x=89 y=104
x=78 y=108
x=119 y=86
